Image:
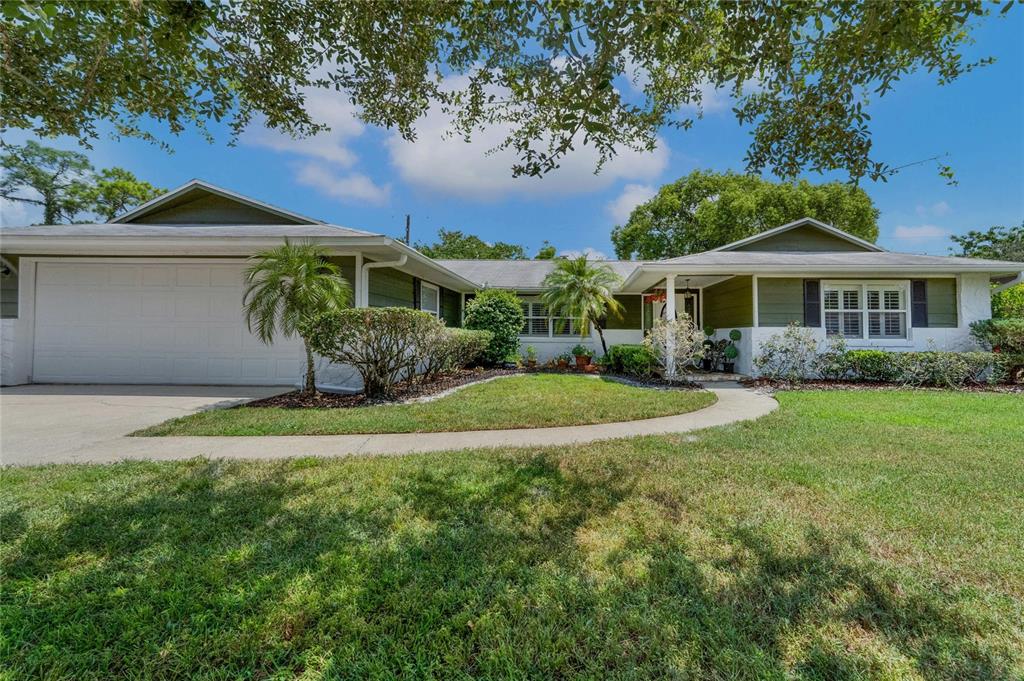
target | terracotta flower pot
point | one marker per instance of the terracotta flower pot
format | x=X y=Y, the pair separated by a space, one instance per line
x=562 y=363
x=582 y=361
x=590 y=369
x=532 y=363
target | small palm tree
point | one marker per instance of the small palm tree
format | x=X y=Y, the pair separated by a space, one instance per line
x=288 y=284
x=582 y=290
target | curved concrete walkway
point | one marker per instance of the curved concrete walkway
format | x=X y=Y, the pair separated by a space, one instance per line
x=735 y=403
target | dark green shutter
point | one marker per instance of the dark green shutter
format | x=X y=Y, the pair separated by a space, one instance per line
x=812 y=302
x=416 y=293
x=919 y=303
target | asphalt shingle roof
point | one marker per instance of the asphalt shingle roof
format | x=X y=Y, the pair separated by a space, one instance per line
x=183 y=231
x=866 y=259
x=521 y=274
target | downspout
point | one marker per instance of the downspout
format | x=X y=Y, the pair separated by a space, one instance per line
x=364 y=277
x=1013 y=282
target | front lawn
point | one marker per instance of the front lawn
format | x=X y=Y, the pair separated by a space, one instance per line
x=527 y=401
x=846 y=535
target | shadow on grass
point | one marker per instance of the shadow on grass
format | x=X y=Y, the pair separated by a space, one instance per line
x=504 y=568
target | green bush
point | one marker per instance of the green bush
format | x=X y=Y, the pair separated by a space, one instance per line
x=384 y=344
x=1002 y=335
x=580 y=350
x=501 y=313
x=451 y=349
x=874 y=365
x=1009 y=303
x=632 y=360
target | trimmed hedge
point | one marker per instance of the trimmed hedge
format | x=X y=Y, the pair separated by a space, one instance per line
x=931 y=367
x=1002 y=335
x=632 y=360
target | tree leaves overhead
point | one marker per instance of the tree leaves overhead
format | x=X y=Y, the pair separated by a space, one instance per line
x=705 y=210
x=550 y=71
x=453 y=244
x=995 y=243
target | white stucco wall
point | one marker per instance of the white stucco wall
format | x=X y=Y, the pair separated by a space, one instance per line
x=549 y=348
x=13 y=370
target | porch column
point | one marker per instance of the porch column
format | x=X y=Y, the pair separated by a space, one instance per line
x=670 y=316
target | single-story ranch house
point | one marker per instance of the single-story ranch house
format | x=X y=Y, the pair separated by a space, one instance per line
x=155 y=295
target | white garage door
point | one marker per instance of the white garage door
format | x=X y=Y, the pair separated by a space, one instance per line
x=151 y=322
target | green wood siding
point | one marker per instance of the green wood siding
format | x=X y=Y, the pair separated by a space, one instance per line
x=210 y=209
x=390 y=288
x=802 y=239
x=451 y=307
x=941 y=303
x=779 y=301
x=347 y=264
x=631 y=312
x=729 y=304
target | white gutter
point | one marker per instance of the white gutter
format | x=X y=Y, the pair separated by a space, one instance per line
x=364 y=278
x=1013 y=282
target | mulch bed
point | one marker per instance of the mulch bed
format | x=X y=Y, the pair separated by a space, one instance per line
x=769 y=386
x=405 y=392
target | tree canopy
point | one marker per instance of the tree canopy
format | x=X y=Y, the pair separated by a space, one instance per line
x=453 y=244
x=555 y=75
x=705 y=210
x=65 y=184
x=995 y=243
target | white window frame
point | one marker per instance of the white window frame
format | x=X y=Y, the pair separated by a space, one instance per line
x=554 y=330
x=865 y=285
x=437 y=296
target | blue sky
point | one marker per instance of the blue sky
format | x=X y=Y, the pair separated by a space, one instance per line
x=366 y=178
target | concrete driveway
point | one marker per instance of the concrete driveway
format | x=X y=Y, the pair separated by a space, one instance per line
x=57 y=423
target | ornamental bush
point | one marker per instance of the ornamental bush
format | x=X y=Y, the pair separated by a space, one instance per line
x=632 y=360
x=687 y=341
x=875 y=365
x=384 y=344
x=499 y=312
x=450 y=349
x=789 y=356
x=1001 y=335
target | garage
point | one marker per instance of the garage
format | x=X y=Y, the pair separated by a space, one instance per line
x=151 y=321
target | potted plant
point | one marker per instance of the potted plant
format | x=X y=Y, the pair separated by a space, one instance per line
x=731 y=352
x=582 y=354
x=563 y=360
x=707 y=362
x=531 y=356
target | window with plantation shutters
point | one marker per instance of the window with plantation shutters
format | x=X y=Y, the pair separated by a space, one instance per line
x=537 y=321
x=872 y=310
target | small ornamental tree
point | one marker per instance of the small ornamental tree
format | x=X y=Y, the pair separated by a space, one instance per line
x=286 y=286
x=501 y=313
x=582 y=290
x=679 y=340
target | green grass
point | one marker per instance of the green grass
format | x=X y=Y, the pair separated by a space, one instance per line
x=528 y=401
x=845 y=536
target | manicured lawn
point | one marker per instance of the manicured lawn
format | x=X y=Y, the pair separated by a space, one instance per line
x=847 y=535
x=528 y=401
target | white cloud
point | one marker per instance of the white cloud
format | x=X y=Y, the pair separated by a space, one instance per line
x=936 y=209
x=477 y=170
x=920 y=232
x=632 y=196
x=347 y=187
x=324 y=106
x=591 y=253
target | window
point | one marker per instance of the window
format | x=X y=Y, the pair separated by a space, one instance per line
x=430 y=299
x=537 y=322
x=852 y=309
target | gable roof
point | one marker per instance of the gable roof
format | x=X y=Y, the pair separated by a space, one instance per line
x=195 y=189
x=522 y=275
x=802 y=222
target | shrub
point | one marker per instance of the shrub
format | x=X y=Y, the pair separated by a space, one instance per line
x=688 y=341
x=632 y=360
x=501 y=313
x=834 y=363
x=875 y=365
x=450 y=349
x=384 y=344
x=1001 y=335
x=789 y=356
x=1009 y=303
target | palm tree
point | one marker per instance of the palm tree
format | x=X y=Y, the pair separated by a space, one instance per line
x=288 y=284
x=582 y=290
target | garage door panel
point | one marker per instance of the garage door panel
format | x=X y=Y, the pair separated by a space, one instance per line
x=134 y=322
